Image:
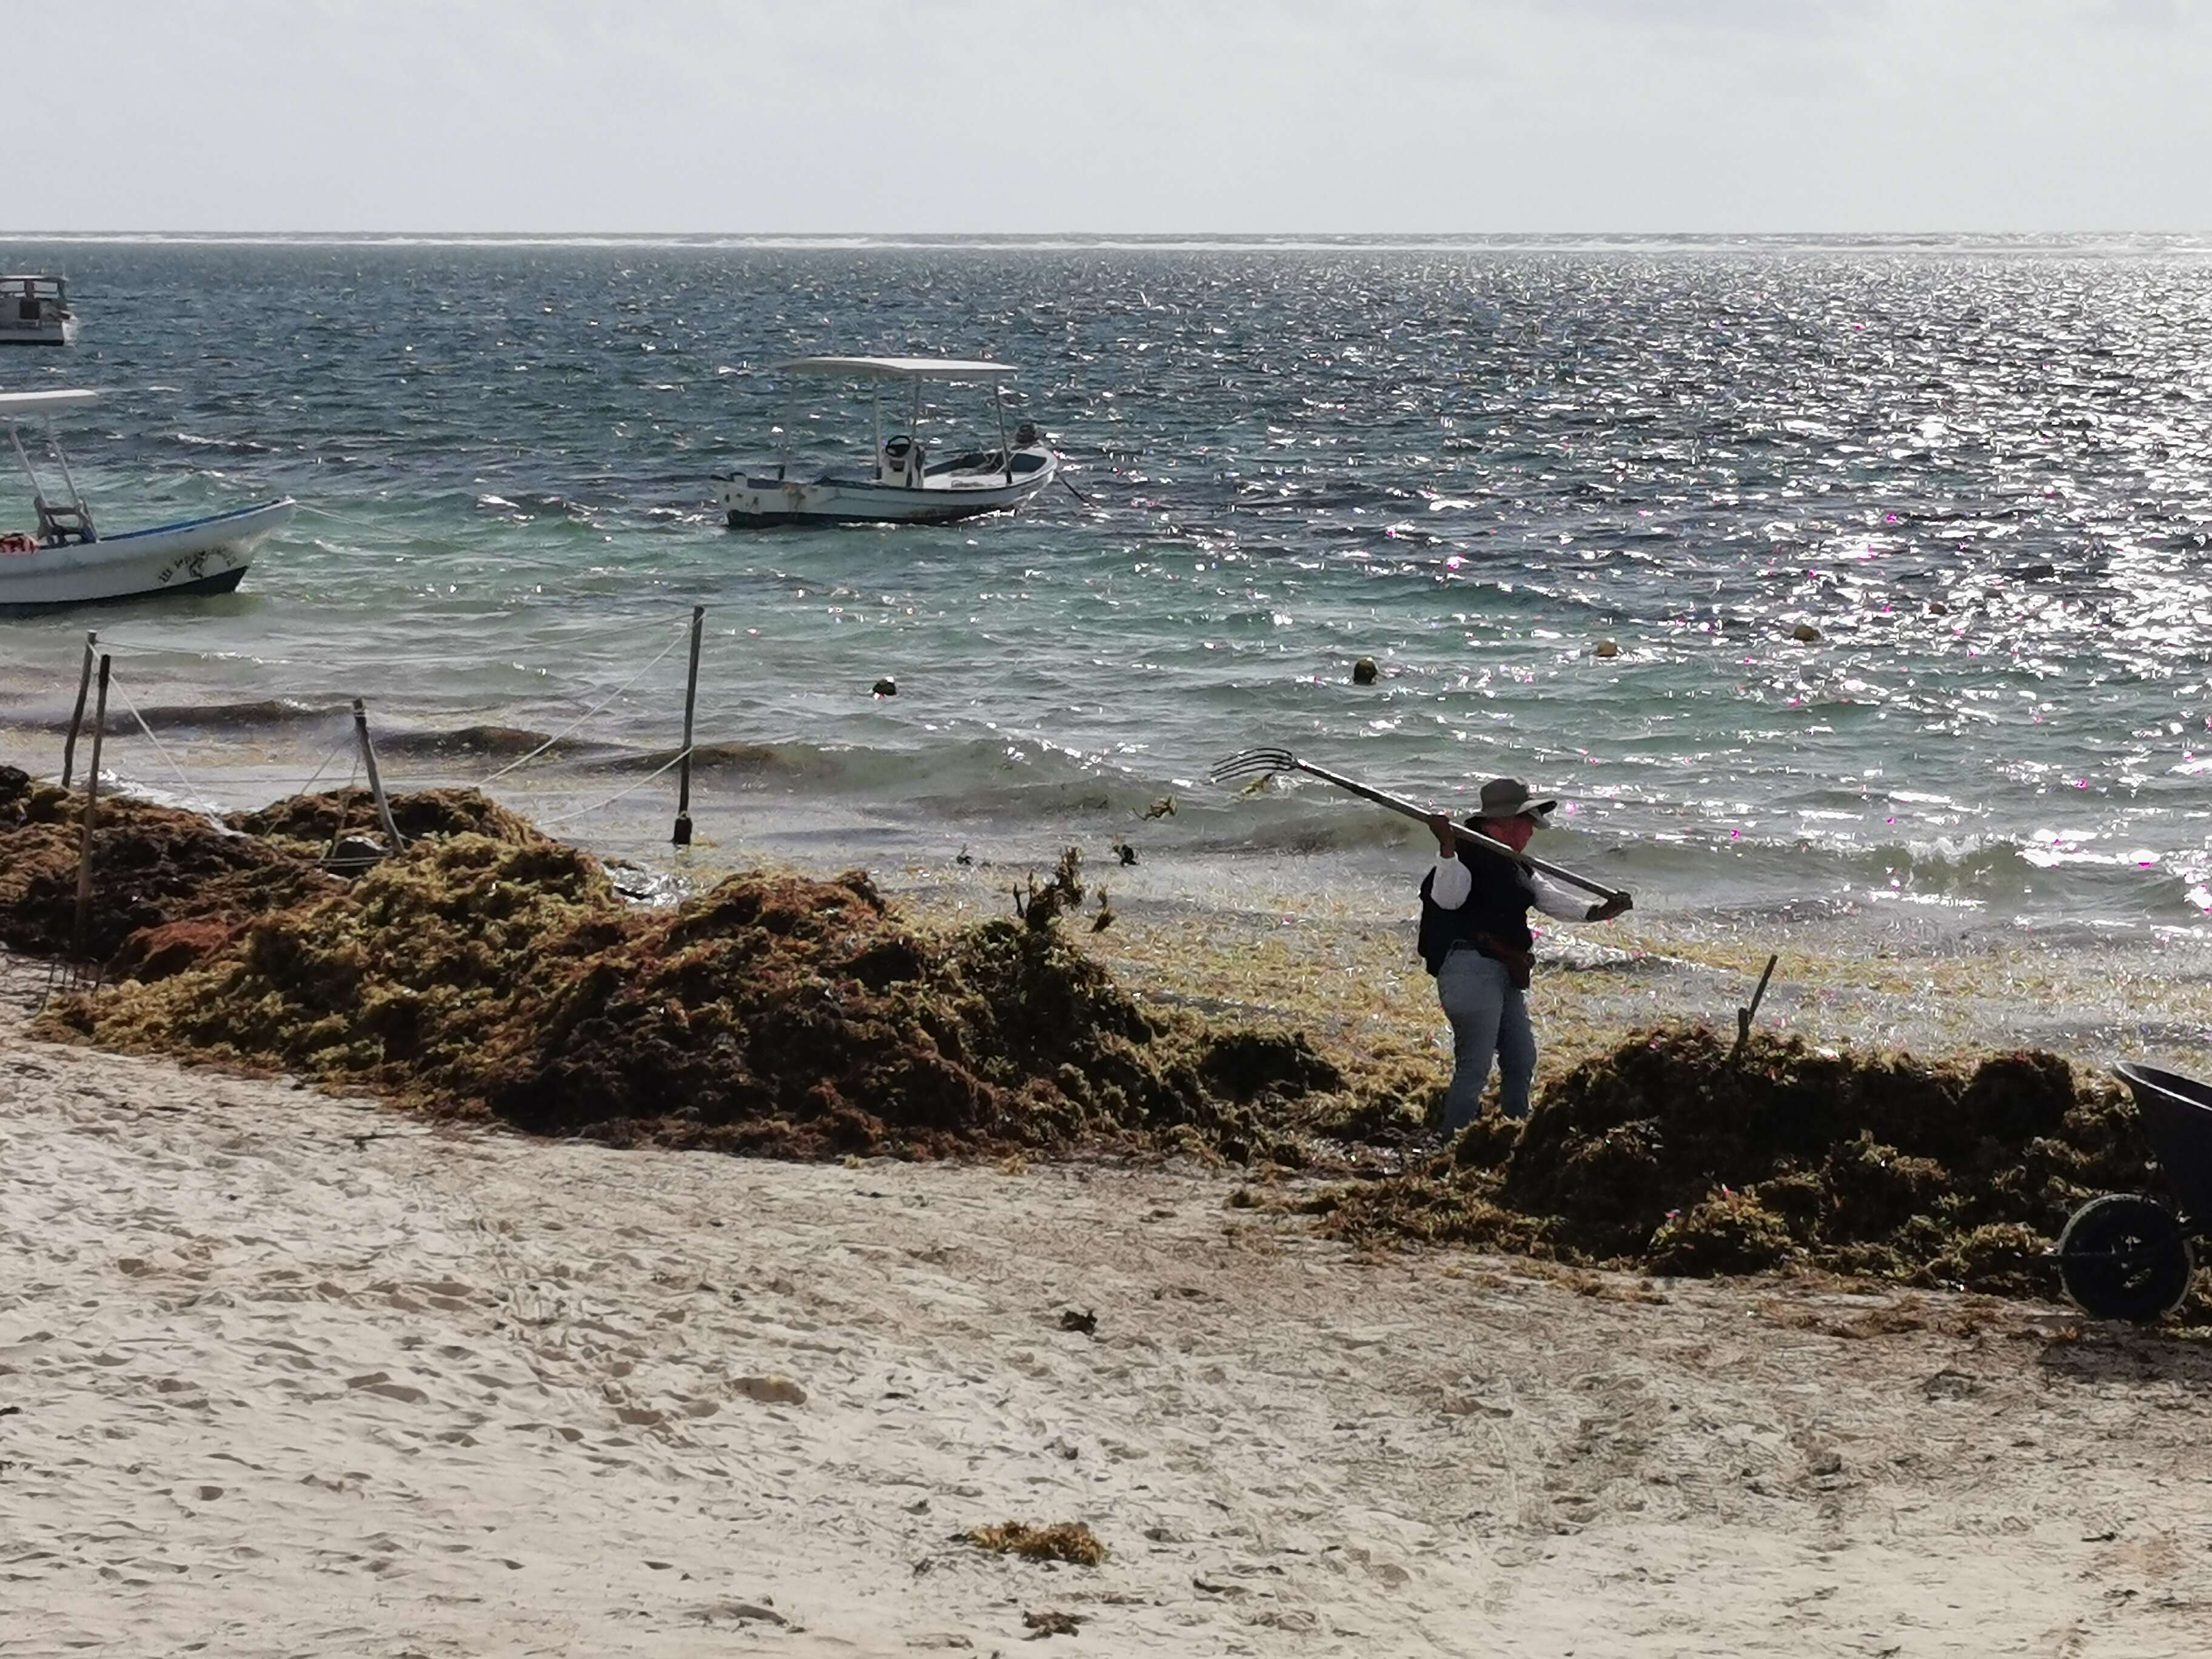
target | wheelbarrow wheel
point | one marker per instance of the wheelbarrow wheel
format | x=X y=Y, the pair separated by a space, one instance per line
x=2124 y=1256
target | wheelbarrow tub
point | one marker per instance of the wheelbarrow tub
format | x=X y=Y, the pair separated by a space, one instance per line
x=2177 y=1114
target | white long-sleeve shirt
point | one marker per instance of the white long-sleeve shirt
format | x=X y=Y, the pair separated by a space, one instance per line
x=1453 y=881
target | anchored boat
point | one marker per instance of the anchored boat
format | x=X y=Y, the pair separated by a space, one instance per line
x=35 y=311
x=67 y=561
x=906 y=486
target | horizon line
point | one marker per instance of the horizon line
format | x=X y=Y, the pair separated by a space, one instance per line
x=211 y=233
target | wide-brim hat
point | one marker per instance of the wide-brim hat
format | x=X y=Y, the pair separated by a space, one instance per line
x=1508 y=797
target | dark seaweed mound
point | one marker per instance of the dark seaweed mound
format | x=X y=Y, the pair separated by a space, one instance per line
x=155 y=868
x=771 y=1015
x=1665 y=1153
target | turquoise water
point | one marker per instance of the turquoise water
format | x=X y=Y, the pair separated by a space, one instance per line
x=1981 y=470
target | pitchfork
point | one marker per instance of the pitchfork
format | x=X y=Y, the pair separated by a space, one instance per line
x=1259 y=763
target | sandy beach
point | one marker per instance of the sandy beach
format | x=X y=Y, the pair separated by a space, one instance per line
x=720 y=910
x=285 y=1373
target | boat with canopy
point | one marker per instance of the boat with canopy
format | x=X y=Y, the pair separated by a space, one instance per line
x=67 y=561
x=905 y=486
x=35 y=311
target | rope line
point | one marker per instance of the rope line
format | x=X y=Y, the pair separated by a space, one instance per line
x=342 y=745
x=680 y=756
x=589 y=713
x=190 y=793
x=109 y=644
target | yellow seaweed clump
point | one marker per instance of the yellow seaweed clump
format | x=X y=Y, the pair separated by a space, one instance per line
x=1065 y=1541
x=400 y=983
x=309 y=823
x=1729 y=1232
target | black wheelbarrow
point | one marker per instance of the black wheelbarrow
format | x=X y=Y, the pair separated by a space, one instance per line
x=2126 y=1256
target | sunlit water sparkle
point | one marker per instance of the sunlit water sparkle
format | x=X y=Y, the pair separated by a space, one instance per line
x=1981 y=470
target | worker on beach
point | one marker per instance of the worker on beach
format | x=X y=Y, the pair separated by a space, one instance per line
x=1474 y=937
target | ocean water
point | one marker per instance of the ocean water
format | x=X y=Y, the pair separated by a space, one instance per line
x=1981 y=470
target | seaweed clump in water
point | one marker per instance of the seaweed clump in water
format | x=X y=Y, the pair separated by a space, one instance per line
x=771 y=1015
x=1669 y=1154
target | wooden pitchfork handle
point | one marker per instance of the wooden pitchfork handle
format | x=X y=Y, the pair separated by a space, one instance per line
x=1473 y=837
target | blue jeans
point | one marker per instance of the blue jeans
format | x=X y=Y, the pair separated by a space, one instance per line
x=1489 y=1020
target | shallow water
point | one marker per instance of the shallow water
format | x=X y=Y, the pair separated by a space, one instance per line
x=1982 y=470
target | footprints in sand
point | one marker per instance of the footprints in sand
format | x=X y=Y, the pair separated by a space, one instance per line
x=448 y=1392
x=381 y=1384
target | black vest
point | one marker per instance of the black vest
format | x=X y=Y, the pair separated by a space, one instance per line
x=1496 y=907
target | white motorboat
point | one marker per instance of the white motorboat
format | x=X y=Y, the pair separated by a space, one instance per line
x=35 y=311
x=67 y=561
x=906 y=487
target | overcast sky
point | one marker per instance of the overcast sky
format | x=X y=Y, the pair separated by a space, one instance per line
x=796 y=116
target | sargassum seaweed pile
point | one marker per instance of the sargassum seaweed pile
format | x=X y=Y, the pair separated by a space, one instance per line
x=1670 y=1155
x=486 y=969
x=158 y=869
x=501 y=974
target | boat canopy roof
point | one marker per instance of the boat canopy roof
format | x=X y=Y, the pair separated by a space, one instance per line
x=896 y=368
x=31 y=403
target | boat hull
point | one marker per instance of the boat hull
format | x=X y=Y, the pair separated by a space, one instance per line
x=200 y=555
x=747 y=502
x=59 y=333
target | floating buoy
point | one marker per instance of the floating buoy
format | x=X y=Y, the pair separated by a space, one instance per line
x=1805 y=634
x=1605 y=648
x=887 y=687
x=1363 y=671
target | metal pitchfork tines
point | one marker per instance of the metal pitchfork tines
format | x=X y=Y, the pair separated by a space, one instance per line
x=1260 y=763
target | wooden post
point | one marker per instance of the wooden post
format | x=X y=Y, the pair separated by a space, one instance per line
x=82 y=941
x=376 y=783
x=77 y=715
x=690 y=702
x=1744 y=1016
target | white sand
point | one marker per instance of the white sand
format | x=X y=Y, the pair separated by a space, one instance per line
x=289 y=1375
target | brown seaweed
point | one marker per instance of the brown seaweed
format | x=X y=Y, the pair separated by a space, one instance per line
x=1064 y=1540
x=485 y=968
x=312 y=821
x=1669 y=1155
x=772 y=1015
x=152 y=866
